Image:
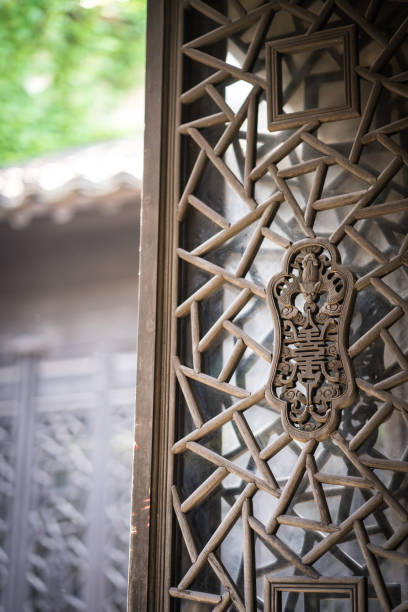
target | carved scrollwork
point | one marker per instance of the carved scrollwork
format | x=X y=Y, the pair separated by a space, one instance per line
x=311 y=376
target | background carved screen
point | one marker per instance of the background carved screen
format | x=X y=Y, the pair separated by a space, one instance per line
x=65 y=468
x=292 y=127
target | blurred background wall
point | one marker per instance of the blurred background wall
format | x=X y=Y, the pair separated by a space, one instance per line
x=71 y=121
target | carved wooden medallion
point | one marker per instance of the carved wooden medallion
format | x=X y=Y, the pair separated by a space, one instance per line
x=310 y=377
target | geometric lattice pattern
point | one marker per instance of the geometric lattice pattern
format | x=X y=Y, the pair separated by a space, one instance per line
x=251 y=504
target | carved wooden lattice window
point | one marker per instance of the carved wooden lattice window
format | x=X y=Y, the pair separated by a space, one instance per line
x=65 y=424
x=286 y=419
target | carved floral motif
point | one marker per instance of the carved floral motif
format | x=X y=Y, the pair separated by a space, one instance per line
x=310 y=376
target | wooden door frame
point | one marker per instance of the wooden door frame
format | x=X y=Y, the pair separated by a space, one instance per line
x=150 y=533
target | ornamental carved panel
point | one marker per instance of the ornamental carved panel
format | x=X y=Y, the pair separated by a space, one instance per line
x=311 y=378
x=65 y=460
x=284 y=365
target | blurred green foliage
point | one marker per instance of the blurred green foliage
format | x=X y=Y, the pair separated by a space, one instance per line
x=65 y=65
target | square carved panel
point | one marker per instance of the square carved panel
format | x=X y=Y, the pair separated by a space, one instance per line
x=312 y=77
x=348 y=593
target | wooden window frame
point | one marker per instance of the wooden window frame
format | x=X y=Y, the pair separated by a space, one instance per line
x=152 y=536
x=151 y=532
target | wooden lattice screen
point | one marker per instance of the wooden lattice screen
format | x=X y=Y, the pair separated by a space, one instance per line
x=65 y=469
x=286 y=421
